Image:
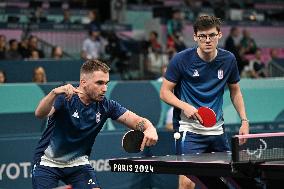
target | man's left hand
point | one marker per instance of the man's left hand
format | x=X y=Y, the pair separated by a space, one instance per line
x=244 y=130
x=150 y=137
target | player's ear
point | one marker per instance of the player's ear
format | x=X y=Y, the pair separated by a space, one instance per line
x=83 y=82
x=195 y=37
x=220 y=35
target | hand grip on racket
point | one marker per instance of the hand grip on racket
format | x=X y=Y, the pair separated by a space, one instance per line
x=132 y=140
x=208 y=116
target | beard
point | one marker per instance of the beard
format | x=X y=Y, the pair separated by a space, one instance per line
x=95 y=96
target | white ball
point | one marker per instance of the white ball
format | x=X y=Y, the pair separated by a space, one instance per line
x=177 y=135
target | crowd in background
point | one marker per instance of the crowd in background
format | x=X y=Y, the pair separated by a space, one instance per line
x=156 y=52
x=244 y=45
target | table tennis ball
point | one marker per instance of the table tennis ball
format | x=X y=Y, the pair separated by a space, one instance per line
x=177 y=135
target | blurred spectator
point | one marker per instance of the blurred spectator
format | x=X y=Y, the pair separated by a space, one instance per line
x=171 y=51
x=34 y=55
x=163 y=71
x=151 y=43
x=56 y=53
x=2 y=47
x=94 y=45
x=256 y=68
x=169 y=119
x=13 y=52
x=274 y=55
x=38 y=16
x=23 y=48
x=177 y=41
x=175 y=24
x=39 y=75
x=92 y=20
x=232 y=45
x=248 y=44
x=33 y=46
x=155 y=61
x=220 y=7
x=2 y=77
x=155 y=58
x=66 y=17
x=154 y=44
x=174 y=29
x=192 y=9
x=232 y=41
x=118 y=9
x=117 y=52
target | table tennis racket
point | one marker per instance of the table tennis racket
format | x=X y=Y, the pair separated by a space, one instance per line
x=132 y=140
x=208 y=116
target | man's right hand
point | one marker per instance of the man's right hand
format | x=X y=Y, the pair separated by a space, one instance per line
x=45 y=107
x=191 y=112
x=68 y=90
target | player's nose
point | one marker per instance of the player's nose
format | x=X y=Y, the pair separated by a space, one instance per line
x=104 y=88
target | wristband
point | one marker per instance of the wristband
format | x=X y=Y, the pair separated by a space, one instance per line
x=246 y=120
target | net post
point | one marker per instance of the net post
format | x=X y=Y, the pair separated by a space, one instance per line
x=235 y=148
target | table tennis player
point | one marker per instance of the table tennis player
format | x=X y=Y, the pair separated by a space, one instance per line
x=75 y=117
x=197 y=77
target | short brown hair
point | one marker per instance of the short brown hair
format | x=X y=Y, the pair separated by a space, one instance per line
x=94 y=65
x=206 y=22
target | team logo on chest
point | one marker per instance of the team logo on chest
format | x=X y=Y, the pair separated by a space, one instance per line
x=98 y=117
x=220 y=74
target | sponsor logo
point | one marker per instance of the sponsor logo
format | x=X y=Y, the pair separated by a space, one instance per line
x=14 y=171
x=91 y=181
x=75 y=114
x=22 y=170
x=195 y=73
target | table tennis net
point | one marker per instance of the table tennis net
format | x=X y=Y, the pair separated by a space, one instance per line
x=258 y=147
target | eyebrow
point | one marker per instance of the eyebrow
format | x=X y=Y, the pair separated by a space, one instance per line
x=207 y=34
x=101 y=82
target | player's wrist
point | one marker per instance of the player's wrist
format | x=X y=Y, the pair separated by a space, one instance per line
x=244 y=120
x=53 y=92
x=141 y=126
x=149 y=126
x=183 y=105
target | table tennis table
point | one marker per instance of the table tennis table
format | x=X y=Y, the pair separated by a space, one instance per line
x=216 y=164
